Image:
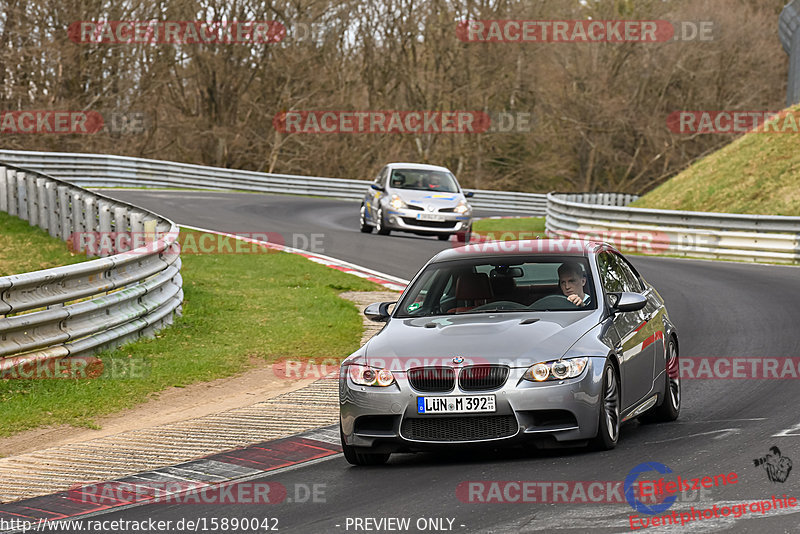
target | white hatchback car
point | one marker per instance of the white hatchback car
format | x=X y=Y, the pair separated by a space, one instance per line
x=417 y=198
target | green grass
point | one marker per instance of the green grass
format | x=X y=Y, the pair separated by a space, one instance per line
x=510 y=229
x=25 y=248
x=758 y=173
x=240 y=311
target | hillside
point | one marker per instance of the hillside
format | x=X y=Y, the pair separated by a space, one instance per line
x=757 y=173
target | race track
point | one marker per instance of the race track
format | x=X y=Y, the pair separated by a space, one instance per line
x=719 y=308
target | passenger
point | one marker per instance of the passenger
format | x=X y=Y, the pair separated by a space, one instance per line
x=572 y=280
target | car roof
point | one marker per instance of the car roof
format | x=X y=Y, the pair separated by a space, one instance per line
x=528 y=247
x=417 y=166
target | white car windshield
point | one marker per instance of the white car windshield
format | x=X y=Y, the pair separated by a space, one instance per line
x=482 y=286
x=423 y=180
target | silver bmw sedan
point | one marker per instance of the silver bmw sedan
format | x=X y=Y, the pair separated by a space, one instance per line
x=544 y=342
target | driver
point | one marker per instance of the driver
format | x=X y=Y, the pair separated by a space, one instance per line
x=572 y=280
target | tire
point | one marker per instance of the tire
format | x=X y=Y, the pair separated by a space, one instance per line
x=464 y=237
x=365 y=228
x=356 y=457
x=670 y=409
x=608 y=414
x=443 y=237
x=380 y=224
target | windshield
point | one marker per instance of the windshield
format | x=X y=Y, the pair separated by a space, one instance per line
x=423 y=180
x=480 y=286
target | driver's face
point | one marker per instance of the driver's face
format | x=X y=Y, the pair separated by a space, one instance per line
x=572 y=284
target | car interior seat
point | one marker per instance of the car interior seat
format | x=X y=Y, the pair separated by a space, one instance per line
x=473 y=288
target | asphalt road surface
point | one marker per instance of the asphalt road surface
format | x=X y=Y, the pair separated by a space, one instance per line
x=720 y=309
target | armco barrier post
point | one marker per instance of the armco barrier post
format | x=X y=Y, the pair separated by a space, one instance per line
x=137 y=223
x=76 y=204
x=22 y=197
x=33 y=209
x=3 y=189
x=64 y=212
x=53 y=219
x=121 y=225
x=11 y=176
x=89 y=216
x=41 y=204
x=104 y=222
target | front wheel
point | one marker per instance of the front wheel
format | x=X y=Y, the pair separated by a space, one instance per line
x=354 y=455
x=366 y=228
x=443 y=237
x=380 y=224
x=608 y=424
x=464 y=237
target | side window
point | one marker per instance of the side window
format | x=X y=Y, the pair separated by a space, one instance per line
x=381 y=178
x=612 y=278
x=631 y=281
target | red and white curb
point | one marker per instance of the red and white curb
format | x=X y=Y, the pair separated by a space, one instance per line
x=388 y=281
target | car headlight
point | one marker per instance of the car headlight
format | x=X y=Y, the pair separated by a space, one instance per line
x=364 y=375
x=397 y=202
x=462 y=208
x=556 y=369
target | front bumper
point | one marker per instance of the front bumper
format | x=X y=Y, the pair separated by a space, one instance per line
x=407 y=220
x=546 y=414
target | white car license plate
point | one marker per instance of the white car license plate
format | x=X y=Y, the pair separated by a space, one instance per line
x=474 y=403
x=430 y=217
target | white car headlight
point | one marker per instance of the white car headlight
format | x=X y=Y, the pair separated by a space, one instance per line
x=462 y=207
x=556 y=369
x=364 y=375
x=397 y=202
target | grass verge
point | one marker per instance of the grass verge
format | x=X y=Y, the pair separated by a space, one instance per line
x=240 y=311
x=25 y=248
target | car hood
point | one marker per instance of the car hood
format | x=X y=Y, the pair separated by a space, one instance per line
x=507 y=338
x=428 y=198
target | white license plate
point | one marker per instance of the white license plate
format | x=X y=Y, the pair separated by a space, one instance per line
x=466 y=404
x=430 y=217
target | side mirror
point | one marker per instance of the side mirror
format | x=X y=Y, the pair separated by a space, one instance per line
x=627 y=301
x=469 y=194
x=376 y=187
x=378 y=312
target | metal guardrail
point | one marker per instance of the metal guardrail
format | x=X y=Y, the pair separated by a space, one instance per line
x=75 y=310
x=98 y=170
x=757 y=238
